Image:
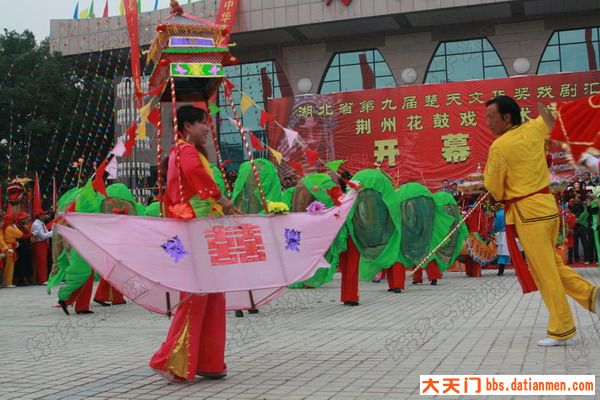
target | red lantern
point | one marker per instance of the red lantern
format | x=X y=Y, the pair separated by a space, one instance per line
x=164 y=62
x=160 y=28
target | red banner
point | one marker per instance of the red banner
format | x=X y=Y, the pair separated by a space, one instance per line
x=226 y=15
x=423 y=133
x=131 y=16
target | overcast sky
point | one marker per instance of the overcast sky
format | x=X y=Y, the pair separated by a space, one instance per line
x=35 y=15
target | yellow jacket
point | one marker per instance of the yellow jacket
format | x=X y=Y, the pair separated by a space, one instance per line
x=11 y=234
x=516 y=167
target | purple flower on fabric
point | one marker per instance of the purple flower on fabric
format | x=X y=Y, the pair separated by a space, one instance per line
x=292 y=239
x=316 y=207
x=174 y=248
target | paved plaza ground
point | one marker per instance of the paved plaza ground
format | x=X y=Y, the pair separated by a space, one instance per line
x=304 y=346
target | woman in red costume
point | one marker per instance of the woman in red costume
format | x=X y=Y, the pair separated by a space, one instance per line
x=195 y=343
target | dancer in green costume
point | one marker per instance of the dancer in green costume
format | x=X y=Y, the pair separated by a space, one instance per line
x=245 y=192
x=315 y=188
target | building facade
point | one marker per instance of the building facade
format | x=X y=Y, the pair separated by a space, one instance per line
x=293 y=47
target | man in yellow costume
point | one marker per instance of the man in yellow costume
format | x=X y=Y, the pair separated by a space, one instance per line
x=516 y=173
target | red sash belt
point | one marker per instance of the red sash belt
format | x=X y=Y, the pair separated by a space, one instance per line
x=523 y=275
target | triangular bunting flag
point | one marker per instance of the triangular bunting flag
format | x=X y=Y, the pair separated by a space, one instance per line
x=335 y=165
x=144 y=112
x=311 y=156
x=277 y=155
x=112 y=168
x=291 y=136
x=156 y=91
x=154 y=116
x=140 y=132
x=265 y=118
x=296 y=166
x=98 y=183
x=118 y=150
x=105 y=12
x=130 y=139
x=229 y=86
x=246 y=103
x=213 y=108
x=256 y=143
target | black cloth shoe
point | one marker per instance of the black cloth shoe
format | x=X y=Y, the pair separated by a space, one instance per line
x=351 y=303
x=239 y=313
x=434 y=282
x=63 y=305
x=85 y=312
x=102 y=303
x=213 y=376
x=395 y=290
x=253 y=311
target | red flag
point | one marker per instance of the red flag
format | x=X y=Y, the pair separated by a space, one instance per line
x=265 y=118
x=131 y=16
x=368 y=77
x=98 y=183
x=154 y=116
x=130 y=139
x=296 y=166
x=229 y=86
x=311 y=156
x=105 y=13
x=156 y=91
x=256 y=144
x=37 y=197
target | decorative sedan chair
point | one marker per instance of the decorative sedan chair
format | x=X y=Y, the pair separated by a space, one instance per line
x=189 y=54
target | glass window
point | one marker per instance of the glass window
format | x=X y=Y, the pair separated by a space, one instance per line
x=465 y=60
x=250 y=79
x=344 y=72
x=571 y=50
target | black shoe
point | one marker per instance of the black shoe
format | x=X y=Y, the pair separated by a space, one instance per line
x=239 y=313
x=85 y=312
x=415 y=282
x=63 y=305
x=351 y=303
x=395 y=290
x=434 y=282
x=212 y=376
x=253 y=311
x=102 y=303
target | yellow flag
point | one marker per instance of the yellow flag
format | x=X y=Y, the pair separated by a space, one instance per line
x=276 y=154
x=122 y=8
x=83 y=13
x=246 y=103
x=140 y=132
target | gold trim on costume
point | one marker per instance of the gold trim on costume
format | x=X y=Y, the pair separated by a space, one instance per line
x=178 y=362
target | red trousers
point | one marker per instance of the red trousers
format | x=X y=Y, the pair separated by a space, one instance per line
x=396 y=276
x=105 y=292
x=82 y=296
x=196 y=339
x=472 y=267
x=433 y=272
x=349 y=261
x=40 y=261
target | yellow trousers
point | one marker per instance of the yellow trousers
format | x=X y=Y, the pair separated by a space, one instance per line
x=9 y=269
x=553 y=278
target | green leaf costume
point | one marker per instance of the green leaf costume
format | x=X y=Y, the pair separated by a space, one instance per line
x=310 y=188
x=245 y=192
x=370 y=223
x=450 y=250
